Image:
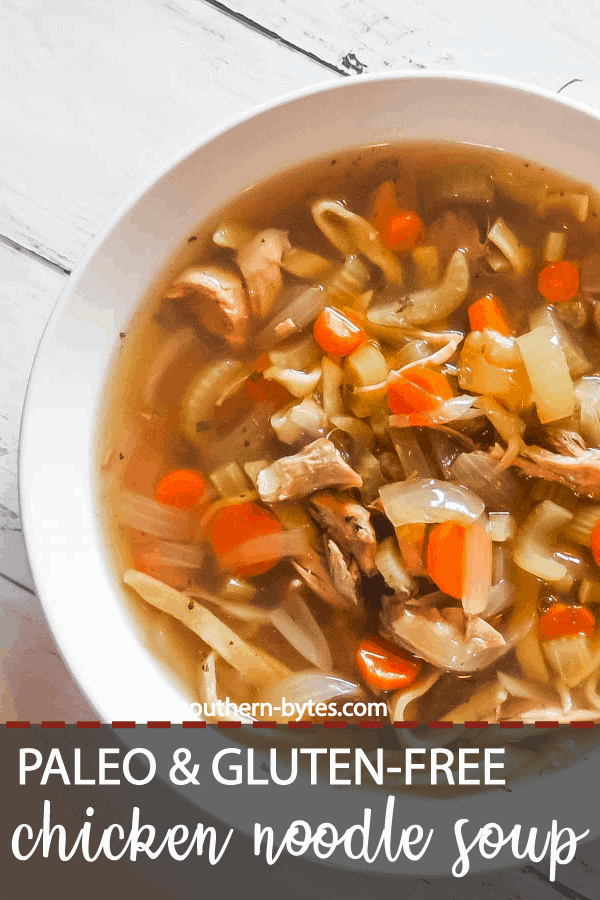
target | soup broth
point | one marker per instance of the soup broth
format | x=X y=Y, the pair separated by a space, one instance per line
x=350 y=443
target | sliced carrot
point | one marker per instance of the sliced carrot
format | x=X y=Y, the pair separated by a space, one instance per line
x=404 y=231
x=562 y=620
x=418 y=390
x=596 y=543
x=488 y=312
x=183 y=488
x=445 y=557
x=559 y=281
x=384 y=667
x=233 y=525
x=384 y=206
x=336 y=332
x=266 y=390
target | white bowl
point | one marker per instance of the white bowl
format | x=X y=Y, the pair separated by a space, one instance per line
x=58 y=467
x=58 y=464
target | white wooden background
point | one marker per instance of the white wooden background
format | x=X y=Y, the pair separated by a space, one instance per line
x=97 y=95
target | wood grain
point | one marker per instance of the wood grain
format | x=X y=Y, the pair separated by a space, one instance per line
x=97 y=99
x=541 y=41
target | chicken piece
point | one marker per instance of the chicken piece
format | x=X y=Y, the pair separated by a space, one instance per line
x=580 y=472
x=260 y=264
x=315 y=574
x=349 y=524
x=561 y=440
x=448 y=639
x=344 y=574
x=217 y=298
x=318 y=465
x=456 y=231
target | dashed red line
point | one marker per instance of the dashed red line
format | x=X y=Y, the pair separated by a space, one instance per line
x=52 y=724
x=476 y=724
x=441 y=724
x=370 y=724
x=229 y=724
x=406 y=724
x=17 y=724
x=546 y=724
x=511 y=724
x=305 y=724
x=122 y=723
x=581 y=724
x=335 y=725
x=299 y=725
x=158 y=724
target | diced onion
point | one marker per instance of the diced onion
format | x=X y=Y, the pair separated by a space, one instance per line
x=548 y=373
x=570 y=657
x=145 y=514
x=294 y=620
x=555 y=246
x=477 y=577
x=507 y=242
x=331 y=387
x=533 y=547
x=174 y=347
x=267 y=547
x=502 y=526
x=230 y=481
x=587 y=394
x=497 y=487
x=429 y=500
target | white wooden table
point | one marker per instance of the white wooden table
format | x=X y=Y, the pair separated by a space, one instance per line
x=97 y=95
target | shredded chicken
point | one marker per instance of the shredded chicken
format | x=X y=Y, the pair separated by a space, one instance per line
x=561 y=440
x=260 y=264
x=456 y=231
x=349 y=524
x=446 y=639
x=318 y=465
x=217 y=298
x=317 y=576
x=581 y=473
x=344 y=574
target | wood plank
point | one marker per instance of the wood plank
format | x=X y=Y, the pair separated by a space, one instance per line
x=96 y=99
x=358 y=36
x=28 y=292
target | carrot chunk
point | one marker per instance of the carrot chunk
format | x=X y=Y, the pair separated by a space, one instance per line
x=418 y=390
x=337 y=334
x=488 y=312
x=562 y=620
x=595 y=542
x=384 y=667
x=233 y=525
x=446 y=557
x=559 y=281
x=182 y=488
x=404 y=231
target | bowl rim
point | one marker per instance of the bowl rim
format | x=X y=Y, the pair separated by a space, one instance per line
x=28 y=455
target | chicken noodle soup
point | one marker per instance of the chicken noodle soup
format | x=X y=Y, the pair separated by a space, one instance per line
x=352 y=442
